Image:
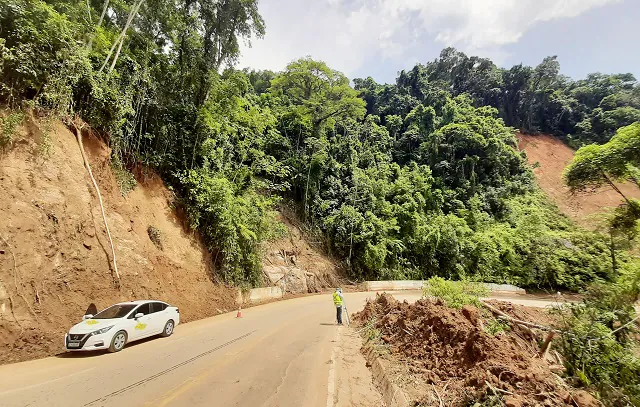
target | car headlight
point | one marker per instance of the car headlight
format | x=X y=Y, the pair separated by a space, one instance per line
x=102 y=331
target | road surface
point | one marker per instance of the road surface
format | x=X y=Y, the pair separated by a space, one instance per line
x=278 y=354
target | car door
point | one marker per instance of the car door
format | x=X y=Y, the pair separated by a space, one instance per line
x=142 y=326
x=158 y=316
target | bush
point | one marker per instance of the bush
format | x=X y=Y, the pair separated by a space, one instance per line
x=155 y=236
x=456 y=294
x=496 y=326
x=8 y=127
x=124 y=178
x=232 y=221
x=40 y=55
x=598 y=355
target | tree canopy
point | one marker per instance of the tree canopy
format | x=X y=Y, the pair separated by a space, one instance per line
x=533 y=99
x=407 y=180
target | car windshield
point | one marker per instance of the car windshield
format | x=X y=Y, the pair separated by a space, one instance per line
x=115 y=311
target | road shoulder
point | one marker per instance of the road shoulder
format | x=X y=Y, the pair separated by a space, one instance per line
x=354 y=382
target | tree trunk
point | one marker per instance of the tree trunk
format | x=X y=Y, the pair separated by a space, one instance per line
x=124 y=34
x=105 y=6
x=120 y=37
x=615 y=187
x=95 y=185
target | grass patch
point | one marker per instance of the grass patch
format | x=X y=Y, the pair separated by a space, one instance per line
x=496 y=327
x=45 y=145
x=8 y=126
x=456 y=294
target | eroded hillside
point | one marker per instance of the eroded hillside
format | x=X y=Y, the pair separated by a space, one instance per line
x=52 y=224
x=552 y=156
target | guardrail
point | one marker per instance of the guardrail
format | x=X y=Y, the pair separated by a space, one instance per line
x=259 y=294
x=398 y=285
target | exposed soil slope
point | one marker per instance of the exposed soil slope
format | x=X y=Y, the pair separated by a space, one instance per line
x=51 y=219
x=553 y=156
x=449 y=357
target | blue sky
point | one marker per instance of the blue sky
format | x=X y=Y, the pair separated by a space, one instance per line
x=378 y=38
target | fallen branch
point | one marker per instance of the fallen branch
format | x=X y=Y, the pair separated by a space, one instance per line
x=558 y=357
x=502 y=315
x=626 y=325
x=95 y=185
x=444 y=389
x=35 y=289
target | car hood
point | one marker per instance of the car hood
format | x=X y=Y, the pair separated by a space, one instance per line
x=91 y=325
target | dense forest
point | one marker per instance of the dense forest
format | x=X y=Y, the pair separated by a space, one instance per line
x=406 y=180
x=533 y=99
x=414 y=179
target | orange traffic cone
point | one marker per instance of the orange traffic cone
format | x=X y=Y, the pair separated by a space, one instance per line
x=239 y=314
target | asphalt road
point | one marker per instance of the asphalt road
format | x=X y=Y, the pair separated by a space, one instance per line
x=278 y=354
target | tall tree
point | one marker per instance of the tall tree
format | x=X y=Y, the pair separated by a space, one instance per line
x=617 y=160
x=320 y=92
x=223 y=24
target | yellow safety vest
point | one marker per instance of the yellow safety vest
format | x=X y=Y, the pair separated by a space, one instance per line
x=336 y=299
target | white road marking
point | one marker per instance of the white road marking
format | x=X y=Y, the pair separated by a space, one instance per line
x=331 y=385
x=47 y=382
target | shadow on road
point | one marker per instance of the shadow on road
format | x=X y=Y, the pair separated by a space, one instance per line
x=326 y=324
x=102 y=352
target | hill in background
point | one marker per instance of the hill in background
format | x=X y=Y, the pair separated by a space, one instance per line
x=552 y=156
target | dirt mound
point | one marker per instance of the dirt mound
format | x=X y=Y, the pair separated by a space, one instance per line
x=450 y=355
x=550 y=157
x=53 y=228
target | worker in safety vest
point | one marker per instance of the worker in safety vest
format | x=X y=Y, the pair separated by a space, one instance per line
x=338 y=301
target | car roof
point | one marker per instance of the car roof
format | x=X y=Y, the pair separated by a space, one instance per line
x=138 y=302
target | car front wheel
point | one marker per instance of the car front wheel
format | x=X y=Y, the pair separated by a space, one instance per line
x=168 y=328
x=118 y=341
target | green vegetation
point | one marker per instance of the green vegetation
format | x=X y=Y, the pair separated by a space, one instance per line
x=618 y=160
x=599 y=349
x=155 y=236
x=124 y=178
x=45 y=144
x=409 y=180
x=8 y=126
x=496 y=326
x=489 y=400
x=535 y=99
x=456 y=294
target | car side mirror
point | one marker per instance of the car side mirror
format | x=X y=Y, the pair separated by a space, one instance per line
x=139 y=315
x=88 y=316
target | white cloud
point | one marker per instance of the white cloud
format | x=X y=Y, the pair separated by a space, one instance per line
x=349 y=33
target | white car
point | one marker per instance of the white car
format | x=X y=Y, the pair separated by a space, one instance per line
x=121 y=323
